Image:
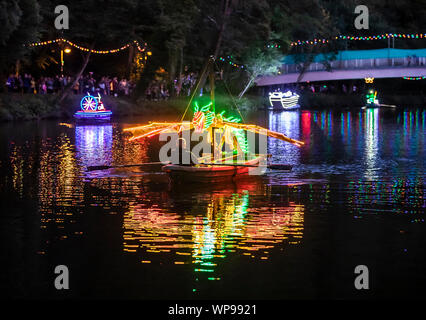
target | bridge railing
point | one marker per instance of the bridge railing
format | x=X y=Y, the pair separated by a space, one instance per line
x=356 y=64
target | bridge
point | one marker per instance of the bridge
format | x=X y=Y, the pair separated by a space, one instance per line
x=355 y=64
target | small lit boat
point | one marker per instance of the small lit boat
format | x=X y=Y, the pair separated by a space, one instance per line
x=213 y=173
x=92 y=108
x=372 y=101
x=284 y=100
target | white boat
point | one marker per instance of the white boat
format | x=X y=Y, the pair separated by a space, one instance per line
x=284 y=100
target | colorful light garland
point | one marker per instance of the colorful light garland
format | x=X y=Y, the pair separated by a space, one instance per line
x=273 y=46
x=414 y=78
x=229 y=61
x=376 y=37
x=60 y=40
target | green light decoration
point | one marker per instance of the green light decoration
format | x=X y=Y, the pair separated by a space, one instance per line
x=239 y=134
x=372 y=97
x=204 y=118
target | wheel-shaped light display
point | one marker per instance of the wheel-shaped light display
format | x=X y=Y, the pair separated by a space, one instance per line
x=89 y=103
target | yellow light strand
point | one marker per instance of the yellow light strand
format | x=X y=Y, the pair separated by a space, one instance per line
x=126 y=46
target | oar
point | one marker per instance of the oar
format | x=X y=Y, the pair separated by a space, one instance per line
x=93 y=168
x=388 y=105
x=275 y=166
x=270 y=166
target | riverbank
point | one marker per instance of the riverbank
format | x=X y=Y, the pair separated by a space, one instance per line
x=310 y=100
x=15 y=107
x=36 y=107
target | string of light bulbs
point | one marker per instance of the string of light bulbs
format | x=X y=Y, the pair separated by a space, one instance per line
x=366 y=38
x=59 y=40
x=229 y=61
x=414 y=78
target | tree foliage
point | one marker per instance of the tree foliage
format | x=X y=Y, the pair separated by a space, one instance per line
x=260 y=61
x=20 y=21
x=186 y=32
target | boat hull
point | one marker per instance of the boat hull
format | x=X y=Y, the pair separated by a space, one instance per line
x=98 y=115
x=210 y=174
x=277 y=106
x=284 y=101
x=372 y=106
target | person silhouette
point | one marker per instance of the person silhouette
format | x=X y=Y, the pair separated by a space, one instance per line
x=185 y=156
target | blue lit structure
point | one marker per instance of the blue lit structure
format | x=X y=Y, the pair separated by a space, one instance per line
x=92 y=108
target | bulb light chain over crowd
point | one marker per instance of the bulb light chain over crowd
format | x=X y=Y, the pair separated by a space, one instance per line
x=377 y=37
x=59 y=40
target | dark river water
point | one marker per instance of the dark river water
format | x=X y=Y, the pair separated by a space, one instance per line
x=355 y=196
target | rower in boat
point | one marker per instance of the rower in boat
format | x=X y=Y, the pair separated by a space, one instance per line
x=185 y=156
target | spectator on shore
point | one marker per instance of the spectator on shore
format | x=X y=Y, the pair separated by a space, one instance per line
x=49 y=85
x=114 y=87
x=76 y=87
x=26 y=83
x=10 y=83
x=33 y=86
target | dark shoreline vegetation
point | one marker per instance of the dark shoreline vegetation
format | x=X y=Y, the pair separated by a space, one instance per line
x=16 y=107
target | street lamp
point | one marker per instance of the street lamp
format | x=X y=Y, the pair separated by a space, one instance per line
x=67 y=50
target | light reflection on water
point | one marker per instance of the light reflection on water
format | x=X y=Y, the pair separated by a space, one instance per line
x=94 y=144
x=366 y=162
x=218 y=225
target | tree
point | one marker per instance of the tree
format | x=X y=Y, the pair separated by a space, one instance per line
x=260 y=61
x=20 y=21
x=98 y=23
x=175 y=21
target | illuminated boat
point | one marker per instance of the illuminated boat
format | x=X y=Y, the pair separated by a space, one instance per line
x=212 y=173
x=284 y=100
x=92 y=108
x=372 y=101
x=220 y=132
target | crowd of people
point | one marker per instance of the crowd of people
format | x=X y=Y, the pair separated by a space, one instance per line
x=86 y=84
x=158 y=90
x=186 y=83
x=319 y=88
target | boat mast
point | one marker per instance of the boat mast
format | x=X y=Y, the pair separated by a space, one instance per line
x=212 y=86
x=211 y=78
